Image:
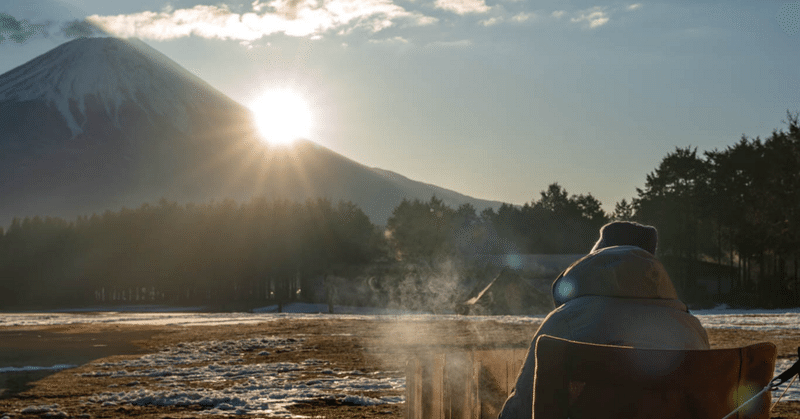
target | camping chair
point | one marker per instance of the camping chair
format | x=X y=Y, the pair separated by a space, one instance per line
x=581 y=380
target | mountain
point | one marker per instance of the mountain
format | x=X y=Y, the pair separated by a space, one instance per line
x=101 y=123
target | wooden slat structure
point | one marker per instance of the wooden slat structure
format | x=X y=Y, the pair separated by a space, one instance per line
x=444 y=383
x=461 y=384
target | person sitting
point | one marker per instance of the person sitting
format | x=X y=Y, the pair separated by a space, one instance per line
x=618 y=294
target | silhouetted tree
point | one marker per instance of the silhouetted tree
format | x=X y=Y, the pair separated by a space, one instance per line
x=222 y=253
x=623 y=211
x=561 y=223
x=421 y=231
x=672 y=201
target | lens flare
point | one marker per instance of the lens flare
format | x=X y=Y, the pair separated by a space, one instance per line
x=564 y=289
x=742 y=397
x=514 y=261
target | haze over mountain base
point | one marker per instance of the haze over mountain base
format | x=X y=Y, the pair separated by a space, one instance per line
x=100 y=123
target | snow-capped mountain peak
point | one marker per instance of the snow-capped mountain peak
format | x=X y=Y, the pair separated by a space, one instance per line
x=111 y=71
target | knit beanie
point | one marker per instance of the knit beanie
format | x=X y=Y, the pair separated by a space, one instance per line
x=626 y=233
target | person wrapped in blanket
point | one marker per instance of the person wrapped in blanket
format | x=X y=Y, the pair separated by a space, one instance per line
x=618 y=294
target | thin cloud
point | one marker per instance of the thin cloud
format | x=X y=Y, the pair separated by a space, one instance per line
x=397 y=40
x=594 y=17
x=19 y=30
x=22 y=30
x=258 y=6
x=491 y=21
x=635 y=6
x=523 y=17
x=80 y=29
x=299 y=18
x=518 y=18
x=462 y=7
x=464 y=43
x=558 y=14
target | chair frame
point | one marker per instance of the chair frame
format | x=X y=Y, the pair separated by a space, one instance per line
x=583 y=380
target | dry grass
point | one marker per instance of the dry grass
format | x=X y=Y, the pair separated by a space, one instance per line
x=364 y=345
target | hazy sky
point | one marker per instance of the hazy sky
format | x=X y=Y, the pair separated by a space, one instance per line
x=492 y=98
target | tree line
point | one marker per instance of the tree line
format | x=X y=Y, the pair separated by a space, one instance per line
x=228 y=255
x=739 y=207
x=222 y=254
x=556 y=223
x=728 y=215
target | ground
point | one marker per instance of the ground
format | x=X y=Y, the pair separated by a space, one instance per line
x=374 y=348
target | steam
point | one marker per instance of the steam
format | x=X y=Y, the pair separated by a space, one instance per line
x=435 y=289
x=429 y=288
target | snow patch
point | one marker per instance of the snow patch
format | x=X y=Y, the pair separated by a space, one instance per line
x=760 y=320
x=114 y=72
x=216 y=377
x=764 y=320
x=29 y=368
x=50 y=411
x=221 y=319
x=239 y=377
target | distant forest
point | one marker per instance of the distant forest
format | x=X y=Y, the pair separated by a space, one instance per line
x=730 y=216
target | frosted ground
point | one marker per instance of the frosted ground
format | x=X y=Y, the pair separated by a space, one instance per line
x=214 y=375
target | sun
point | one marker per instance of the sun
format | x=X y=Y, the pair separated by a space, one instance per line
x=282 y=116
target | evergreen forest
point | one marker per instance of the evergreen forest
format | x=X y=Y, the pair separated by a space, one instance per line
x=728 y=222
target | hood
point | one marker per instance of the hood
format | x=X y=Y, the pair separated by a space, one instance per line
x=618 y=271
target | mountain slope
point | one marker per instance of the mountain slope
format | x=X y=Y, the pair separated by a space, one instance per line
x=111 y=72
x=102 y=123
x=309 y=169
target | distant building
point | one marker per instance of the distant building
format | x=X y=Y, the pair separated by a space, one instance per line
x=711 y=278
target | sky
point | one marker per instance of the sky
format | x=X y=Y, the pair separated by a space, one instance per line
x=495 y=99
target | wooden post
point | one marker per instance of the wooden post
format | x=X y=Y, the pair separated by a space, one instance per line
x=437 y=387
x=475 y=395
x=461 y=384
x=457 y=380
x=414 y=389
